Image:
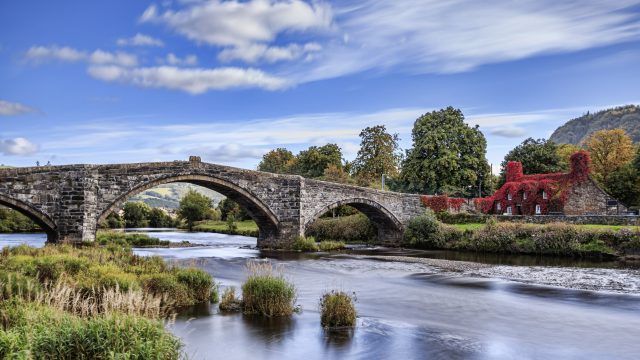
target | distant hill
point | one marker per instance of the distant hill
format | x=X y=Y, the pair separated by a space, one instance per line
x=577 y=130
x=169 y=195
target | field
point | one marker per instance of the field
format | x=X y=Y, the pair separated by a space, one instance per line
x=246 y=227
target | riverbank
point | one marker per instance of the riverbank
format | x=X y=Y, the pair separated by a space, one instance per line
x=242 y=228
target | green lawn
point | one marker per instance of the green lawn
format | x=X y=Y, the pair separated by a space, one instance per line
x=247 y=227
x=589 y=226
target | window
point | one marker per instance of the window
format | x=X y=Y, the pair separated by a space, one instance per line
x=509 y=212
x=538 y=210
x=544 y=195
x=509 y=197
x=524 y=195
x=498 y=207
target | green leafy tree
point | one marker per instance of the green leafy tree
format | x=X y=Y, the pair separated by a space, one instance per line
x=229 y=207
x=160 y=219
x=610 y=149
x=537 y=157
x=335 y=174
x=279 y=161
x=114 y=221
x=378 y=154
x=446 y=153
x=136 y=214
x=564 y=152
x=312 y=162
x=194 y=207
x=624 y=185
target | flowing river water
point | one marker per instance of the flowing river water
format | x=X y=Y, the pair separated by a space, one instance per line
x=414 y=305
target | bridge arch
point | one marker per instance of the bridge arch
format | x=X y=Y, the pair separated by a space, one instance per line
x=40 y=218
x=266 y=220
x=390 y=228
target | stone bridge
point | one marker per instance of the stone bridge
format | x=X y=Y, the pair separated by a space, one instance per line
x=68 y=202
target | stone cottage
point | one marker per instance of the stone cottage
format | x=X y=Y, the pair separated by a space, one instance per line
x=572 y=193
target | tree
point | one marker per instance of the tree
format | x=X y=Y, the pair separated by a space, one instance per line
x=312 y=162
x=445 y=152
x=194 y=207
x=279 y=161
x=609 y=150
x=624 y=185
x=536 y=156
x=159 y=219
x=229 y=207
x=335 y=174
x=136 y=214
x=378 y=154
x=564 y=152
x=114 y=221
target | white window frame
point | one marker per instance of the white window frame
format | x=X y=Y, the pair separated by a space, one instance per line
x=538 y=209
x=524 y=195
x=545 y=196
x=509 y=210
x=498 y=206
x=509 y=197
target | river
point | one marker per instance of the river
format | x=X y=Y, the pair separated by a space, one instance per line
x=414 y=305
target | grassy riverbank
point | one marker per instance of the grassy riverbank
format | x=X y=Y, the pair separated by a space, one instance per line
x=244 y=228
x=92 y=301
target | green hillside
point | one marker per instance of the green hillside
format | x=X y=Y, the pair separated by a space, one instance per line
x=169 y=195
x=577 y=130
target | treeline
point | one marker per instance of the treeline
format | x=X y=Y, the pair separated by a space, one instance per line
x=193 y=207
x=12 y=221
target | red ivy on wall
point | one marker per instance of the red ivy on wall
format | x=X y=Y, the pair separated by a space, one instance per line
x=523 y=192
x=440 y=203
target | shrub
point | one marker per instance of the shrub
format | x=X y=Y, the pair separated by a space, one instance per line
x=347 y=228
x=166 y=284
x=305 y=244
x=107 y=276
x=328 y=245
x=267 y=292
x=42 y=332
x=422 y=231
x=229 y=300
x=337 y=309
x=197 y=281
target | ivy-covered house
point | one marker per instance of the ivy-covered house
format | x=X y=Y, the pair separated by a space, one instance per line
x=572 y=193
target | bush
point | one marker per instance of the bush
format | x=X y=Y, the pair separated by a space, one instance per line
x=348 y=228
x=337 y=309
x=328 y=245
x=422 y=232
x=304 y=244
x=41 y=332
x=461 y=218
x=197 y=281
x=266 y=292
x=229 y=300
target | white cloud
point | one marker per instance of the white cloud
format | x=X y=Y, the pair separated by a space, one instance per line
x=10 y=108
x=140 y=40
x=239 y=23
x=228 y=153
x=509 y=131
x=67 y=54
x=191 y=80
x=256 y=52
x=17 y=146
x=190 y=60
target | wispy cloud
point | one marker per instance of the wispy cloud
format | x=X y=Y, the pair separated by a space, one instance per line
x=140 y=40
x=509 y=132
x=189 y=60
x=39 y=54
x=12 y=108
x=253 y=53
x=18 y=146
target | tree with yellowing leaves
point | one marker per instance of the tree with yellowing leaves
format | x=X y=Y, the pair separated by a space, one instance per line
x=610 y=150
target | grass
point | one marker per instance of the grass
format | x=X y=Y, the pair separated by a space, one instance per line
x=266 y=292
x=476 y=226
x=108 y=237
x=305 y=244
x=329 y=245
x=337 y=309
x=245 y=228
x=229 y=302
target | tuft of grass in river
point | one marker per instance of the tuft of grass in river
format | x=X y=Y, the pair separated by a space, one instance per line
x=329 y=245
x=266 y=292
x=304 y=244
x=229 y=301
x=337 y=309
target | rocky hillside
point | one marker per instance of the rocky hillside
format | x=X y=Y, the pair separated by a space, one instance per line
x=169 y=195
x=577 y=130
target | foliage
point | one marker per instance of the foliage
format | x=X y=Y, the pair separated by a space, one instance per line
x=194 y=207
x=12 y=221
x=136 y=214
x=128 y=239
x=624 y=185
x=160 y=219
x=113 y=221
x=379 y=154
x=230 y=302
x=267 y=292
x=231 y=223
x=244 y=228
x=279 y=161
x=312 y=162
x=337 y=309
x=229 y=207
x=610 y=150
x=336 y=174
x=347 y=228
x=41 y=332
x=535 y=156
x=422 y=231
x=564 y=152
x=445 y=152
x=304 y=244
x=330 y=245
x=577 y=130
x=460 y=218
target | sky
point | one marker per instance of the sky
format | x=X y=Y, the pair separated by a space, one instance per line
x=124 y=81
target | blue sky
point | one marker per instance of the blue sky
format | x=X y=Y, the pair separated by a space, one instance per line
x=132 y=81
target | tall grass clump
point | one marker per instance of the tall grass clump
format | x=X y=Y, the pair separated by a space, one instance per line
x=305 y=244
x=330 y=245
x=266 y=292
x=124 y=239
x=337 y=309
x=229 y=301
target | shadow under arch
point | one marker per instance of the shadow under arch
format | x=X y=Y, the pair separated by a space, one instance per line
x=390 y=229
x=266 y=220
x=40 y=218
